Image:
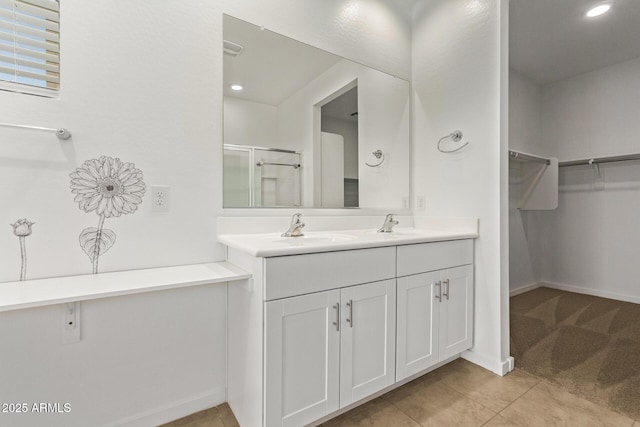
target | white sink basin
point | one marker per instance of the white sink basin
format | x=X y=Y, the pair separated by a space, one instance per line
x=308 y=238
x=397 y=232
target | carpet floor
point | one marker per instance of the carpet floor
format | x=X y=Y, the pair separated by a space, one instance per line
x=587 y=345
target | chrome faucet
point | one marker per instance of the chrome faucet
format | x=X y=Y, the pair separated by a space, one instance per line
x=389 y=222
x=295 y=229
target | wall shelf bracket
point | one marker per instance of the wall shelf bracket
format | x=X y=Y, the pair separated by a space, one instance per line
x=596 y=168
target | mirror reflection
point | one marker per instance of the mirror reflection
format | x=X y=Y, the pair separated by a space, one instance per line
x=306 y=128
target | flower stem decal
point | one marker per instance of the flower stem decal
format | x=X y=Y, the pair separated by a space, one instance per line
x=111 y=188
x=96 y=241
x=96 y=249
x=22 y=229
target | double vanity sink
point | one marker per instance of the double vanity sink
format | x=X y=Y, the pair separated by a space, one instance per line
x=332 y=318
x=274 y=244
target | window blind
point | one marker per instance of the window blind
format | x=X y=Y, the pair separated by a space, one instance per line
x=30 y=42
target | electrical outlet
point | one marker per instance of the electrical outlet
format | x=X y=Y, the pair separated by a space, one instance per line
x=420 y=203
x=160 y=198
x=405 y=203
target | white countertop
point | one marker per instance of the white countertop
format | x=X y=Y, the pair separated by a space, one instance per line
x=271 y=244
x=36 y=293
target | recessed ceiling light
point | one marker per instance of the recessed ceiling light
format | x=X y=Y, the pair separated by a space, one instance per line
x=236 y=86
x=598 y=10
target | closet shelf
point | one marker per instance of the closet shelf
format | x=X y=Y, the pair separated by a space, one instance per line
x=537 y=185
x=598 y=160
x=59 y=290
x=519 y=156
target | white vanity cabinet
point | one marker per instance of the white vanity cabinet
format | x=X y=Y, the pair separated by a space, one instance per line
x=368 y=340
x=326 y=350
x=435 y=308
x=313 y=333
x=302 y=359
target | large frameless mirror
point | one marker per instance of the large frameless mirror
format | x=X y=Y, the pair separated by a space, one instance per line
x=306 y=128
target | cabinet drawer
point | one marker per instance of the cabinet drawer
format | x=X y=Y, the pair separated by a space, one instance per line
x=302 y=274
x=424 y=257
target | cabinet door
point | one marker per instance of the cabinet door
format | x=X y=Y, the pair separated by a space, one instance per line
x=418 y=309
x=302 y=351
x=367 y=359
x=456 y=310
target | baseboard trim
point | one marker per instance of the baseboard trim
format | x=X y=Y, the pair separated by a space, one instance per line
x=508 y=365
x=576 y=289
x=174 y=410
x=593 y=292
x=525 y=288
x=498 y=367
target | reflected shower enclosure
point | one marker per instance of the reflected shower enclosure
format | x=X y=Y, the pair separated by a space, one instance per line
x=261 y=177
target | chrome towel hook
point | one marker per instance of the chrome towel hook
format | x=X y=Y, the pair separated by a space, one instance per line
x=378 y=155
x=456 y=136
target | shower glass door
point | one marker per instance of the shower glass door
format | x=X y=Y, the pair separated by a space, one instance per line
x=276 y=178
x=261 y=177
x=237 y=176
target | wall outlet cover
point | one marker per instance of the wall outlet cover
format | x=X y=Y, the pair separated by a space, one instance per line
x=160 y=198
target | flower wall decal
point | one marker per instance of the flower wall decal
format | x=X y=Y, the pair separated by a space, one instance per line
x=22 y=229
x=111 y=188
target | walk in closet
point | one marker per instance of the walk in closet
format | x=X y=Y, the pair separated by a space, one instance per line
x=575 y=97
x=574 y=193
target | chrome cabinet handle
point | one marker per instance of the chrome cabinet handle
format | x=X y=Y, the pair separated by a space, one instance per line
x=439 y=286
x=446 y=282
x=350 y=318
x=337 y=322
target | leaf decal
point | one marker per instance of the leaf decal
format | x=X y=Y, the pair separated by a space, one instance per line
x=96 y=242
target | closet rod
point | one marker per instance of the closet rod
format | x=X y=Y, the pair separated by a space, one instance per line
x=597 y=160
x=528 y=157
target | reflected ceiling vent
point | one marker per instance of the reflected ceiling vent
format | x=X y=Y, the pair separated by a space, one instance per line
x=231 y=48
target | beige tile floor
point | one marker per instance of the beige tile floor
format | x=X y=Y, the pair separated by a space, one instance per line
x=459 y=394
x=220 y=416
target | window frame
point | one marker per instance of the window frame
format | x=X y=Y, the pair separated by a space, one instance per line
x=28 y=89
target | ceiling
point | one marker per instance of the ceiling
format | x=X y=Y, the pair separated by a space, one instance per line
x=344 y=107
x=271 y=67
x=551 y=40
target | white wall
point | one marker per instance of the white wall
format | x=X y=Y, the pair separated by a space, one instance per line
x=144 y=84
x=525 y=134
x=124 y=93
x=594 y=114
x=250 y=123
x=155 y=356
x=590 y=241
x=349 y=131
x=525 y=115
x=117 y=101
x=458 y=75
x=383 y=123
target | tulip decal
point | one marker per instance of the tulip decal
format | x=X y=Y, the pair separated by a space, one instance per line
x=111 y=188
x=22 y=229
